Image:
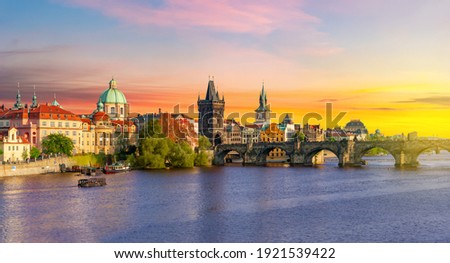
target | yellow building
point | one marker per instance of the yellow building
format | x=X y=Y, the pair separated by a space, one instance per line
x=272 y=133
x=14 y=147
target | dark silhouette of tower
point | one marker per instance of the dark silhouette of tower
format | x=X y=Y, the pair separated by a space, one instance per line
x=211 y=114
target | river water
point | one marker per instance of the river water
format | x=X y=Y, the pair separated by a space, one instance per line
x=375 y=203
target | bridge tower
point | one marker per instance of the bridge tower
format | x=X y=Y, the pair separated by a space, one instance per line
x=211 y=114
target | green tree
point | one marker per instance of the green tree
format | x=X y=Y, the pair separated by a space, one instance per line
x=203 y=143
x=300 y=136
x=25 y=155
x=181 y=155
x=153 y=153
x=1 y=151
x=202 y=158
x=57 y=143
x=34 y=152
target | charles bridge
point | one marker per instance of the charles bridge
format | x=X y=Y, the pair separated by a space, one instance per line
x=349 y=153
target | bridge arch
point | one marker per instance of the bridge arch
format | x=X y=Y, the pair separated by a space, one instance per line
x=221 y=152
x=314 y=151
x=262 y=156
x=416 y=154
x=361 y=152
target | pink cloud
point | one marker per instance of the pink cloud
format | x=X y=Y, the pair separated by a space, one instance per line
x=252 y=16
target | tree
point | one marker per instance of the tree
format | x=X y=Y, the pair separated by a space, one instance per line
x=34 y=152
x=1 y=151
x=202 y=158
x=57 y=143
x=181 y=155
x=204 y=143
x=300 y=136
x=25 y=155
x=153 y=153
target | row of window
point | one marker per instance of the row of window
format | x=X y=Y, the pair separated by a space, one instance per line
x=15 y=148
x=4 y=124
x=60 y=124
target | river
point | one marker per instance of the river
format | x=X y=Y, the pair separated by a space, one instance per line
x=375 y=203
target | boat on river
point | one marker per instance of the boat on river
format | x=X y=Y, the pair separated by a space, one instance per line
x=92 y=182
x=115 y=168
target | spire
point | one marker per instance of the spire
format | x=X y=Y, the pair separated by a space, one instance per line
x=18 y=104
x=211 y=93
x=34 y=101
x=100 y=105
x=55 y=103
x=262 y=100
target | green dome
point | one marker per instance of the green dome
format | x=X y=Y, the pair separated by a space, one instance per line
x=113 y=94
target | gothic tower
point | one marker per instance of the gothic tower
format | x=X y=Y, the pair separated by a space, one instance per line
x=263 y=111
x=211 y=115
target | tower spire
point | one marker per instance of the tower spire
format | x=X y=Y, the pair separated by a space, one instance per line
x=18 y=104
x=34 y=100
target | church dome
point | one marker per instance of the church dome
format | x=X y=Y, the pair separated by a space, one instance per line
x=113 y=94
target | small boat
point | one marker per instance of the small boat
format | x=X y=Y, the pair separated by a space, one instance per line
x=88 y=171
x=115 y=168
x=91 y=182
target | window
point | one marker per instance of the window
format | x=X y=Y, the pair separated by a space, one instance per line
x=74 y=124
x=74 y=133
x=1 y=123
x=44 y=123
x=17 y=148
x=87 y=143
x=74 y=141
x=82 y=143
x=7 y=123
x=121 y=110
x=44 y=132
x=52 y=124
x=67 y=125
x=67 y=133
x=60 y=124
x=113 y=110
x=9 y=148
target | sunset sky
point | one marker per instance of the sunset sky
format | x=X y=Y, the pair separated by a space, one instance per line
x=386 y=62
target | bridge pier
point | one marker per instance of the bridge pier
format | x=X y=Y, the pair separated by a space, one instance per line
x=403 y=159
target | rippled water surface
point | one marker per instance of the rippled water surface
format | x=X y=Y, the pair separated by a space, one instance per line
x=376 y=203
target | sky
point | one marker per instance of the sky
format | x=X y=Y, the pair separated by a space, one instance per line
x=385 y=62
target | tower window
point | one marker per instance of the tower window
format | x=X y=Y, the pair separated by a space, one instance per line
x=113 y=110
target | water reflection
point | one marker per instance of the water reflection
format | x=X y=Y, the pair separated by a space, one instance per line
x=375 y=203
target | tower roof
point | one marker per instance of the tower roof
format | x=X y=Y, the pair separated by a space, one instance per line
x=211 y=92
x=262 y=101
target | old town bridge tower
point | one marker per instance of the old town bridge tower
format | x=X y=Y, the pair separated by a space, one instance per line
x=211 y=115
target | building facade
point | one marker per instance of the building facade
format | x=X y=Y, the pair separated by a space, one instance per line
x=14 y=148
x=273 y=133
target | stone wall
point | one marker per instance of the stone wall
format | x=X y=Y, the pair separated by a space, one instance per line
x=39 y=167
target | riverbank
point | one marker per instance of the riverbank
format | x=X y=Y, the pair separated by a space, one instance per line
x=51 y=165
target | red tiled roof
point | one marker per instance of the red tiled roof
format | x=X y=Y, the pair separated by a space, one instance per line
x=50 y=112
x=100 y=116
